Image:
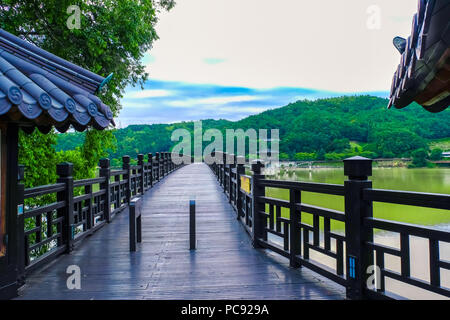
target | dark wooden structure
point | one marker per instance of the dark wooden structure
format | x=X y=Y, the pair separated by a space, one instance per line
x=135 y=223
x=38 y=90
x=223 y=266
x=355 y=250
x=82 y=206
x=423 y=74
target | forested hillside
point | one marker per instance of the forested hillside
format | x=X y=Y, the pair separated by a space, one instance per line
x=322 y=129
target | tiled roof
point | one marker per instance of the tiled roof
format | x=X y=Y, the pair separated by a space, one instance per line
x=423 y=74
x=39 y=89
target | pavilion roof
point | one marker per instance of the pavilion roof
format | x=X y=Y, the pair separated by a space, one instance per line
x=423 y=74
x=39 y=89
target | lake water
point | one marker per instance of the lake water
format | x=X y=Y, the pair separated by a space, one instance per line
x=422 y=180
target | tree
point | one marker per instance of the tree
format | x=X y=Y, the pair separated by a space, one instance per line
x=419 y=158
x=397 y=142
x=304 y=156
x=113 y=38
x=38 y=158
x=393 y=133
x=436 y=154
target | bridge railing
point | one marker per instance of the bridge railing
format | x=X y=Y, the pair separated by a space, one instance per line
x=353 y=255
x=57 y=217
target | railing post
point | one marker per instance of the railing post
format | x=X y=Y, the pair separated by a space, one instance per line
x=167 y=163
x=219 y=167
x=158 y=169
x=240 y=170
x=161 y=164
x=127 y=176
x=21 y=228
x=150 y=170
x=359 y=256
x=164 y=158
x=224 y=172
x=141 y=164
x=231 y=159
x=294 y=227
x=65 y=171
x=258 y=223
x=105 y=171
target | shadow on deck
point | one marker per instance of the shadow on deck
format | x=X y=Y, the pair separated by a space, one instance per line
x=224 y=266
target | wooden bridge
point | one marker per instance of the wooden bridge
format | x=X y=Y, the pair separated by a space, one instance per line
x=246 y=248
x=224 y=265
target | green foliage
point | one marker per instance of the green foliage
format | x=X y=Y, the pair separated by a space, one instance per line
x=390 y=142
x=436 y=154
x=114 y=36
x=443 y=144
x=305 y=156
x=419 y=158
x=38 y=158
x=325 y=127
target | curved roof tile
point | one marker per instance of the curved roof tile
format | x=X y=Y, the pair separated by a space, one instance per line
x=47 y=90
x=423 y=74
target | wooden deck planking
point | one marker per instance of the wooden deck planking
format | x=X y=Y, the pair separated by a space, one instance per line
x=224 y=266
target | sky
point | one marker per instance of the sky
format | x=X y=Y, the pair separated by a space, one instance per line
x=227 y=59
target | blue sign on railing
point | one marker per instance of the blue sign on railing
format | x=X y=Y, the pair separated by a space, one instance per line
x=351 y=267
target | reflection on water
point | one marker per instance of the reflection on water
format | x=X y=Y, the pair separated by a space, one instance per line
x=435 y=180
x=421 y=180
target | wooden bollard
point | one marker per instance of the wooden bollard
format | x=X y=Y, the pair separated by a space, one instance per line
x=135 y=223
x=192 y=238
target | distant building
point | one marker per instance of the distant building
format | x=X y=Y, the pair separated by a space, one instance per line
x=446 y=154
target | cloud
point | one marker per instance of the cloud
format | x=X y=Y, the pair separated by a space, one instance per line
x=244 y=57
x=213 y=101
x=287 y=43
x=172 y=101
x=149 y=93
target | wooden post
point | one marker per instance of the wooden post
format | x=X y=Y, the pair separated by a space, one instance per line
x=359 y=256
x=161 y=164
x=167 y=163
x=157 y=166
x=219 y=167
x=105 y=171
x=192 y=236
x=224 y=176
x=164 y=158
x=150 y=170
x=65 y=171
x=141 y=164
x=240 y=170
x=88 y=204
x=258 y=222
x=127 y=176
x=135 y=223
x=231 y=159
x=22 y=253
x=294 y=227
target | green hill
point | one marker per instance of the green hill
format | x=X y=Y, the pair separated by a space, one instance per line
x=322 y=129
